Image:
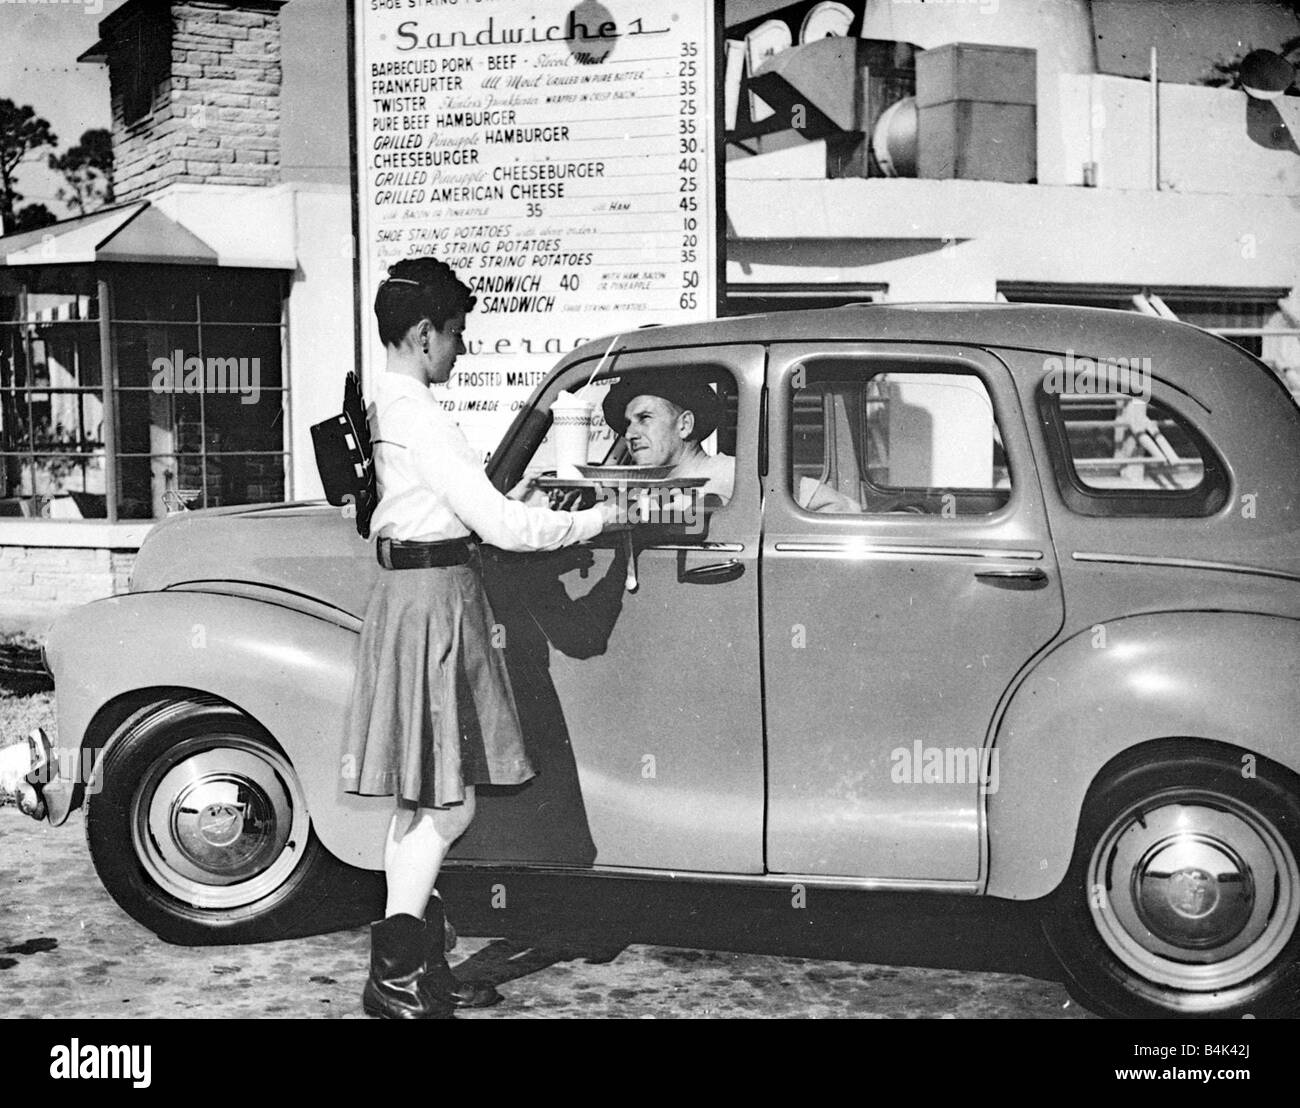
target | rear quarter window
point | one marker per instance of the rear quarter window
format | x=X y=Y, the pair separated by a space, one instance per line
x=1122 y=455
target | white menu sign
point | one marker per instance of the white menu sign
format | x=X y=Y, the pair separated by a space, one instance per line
x=559 y=156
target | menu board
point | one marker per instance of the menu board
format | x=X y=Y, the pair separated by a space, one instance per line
x=560 y=157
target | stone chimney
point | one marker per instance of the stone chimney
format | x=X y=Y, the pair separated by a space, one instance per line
x=195 y=86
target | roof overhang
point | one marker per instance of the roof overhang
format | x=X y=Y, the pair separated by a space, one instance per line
x=134 y=234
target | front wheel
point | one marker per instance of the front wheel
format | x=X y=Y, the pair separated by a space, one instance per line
x=198 y=828
x=1183 y=895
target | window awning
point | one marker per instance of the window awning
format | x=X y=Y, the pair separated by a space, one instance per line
x=136 y=233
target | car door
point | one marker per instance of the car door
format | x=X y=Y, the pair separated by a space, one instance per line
x=651 y=698
x=907 y=576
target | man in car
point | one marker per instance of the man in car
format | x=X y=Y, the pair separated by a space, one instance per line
x=665 y=417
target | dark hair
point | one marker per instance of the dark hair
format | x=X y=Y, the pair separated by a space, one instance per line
x=416 y=289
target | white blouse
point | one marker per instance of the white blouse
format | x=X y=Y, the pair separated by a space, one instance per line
x=432 y=485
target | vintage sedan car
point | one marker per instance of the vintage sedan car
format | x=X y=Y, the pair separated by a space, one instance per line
x=1006 y=602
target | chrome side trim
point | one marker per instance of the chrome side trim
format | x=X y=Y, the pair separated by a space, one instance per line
x=724 y=547
x=781 y=880
x=1182 y=563
x=866 y=550
x=269 y=594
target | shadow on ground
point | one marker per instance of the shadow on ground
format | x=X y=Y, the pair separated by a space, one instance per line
x=593 y=919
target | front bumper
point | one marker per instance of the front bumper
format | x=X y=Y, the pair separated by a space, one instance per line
x=30 y=770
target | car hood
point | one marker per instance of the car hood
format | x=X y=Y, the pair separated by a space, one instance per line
x=307 y=549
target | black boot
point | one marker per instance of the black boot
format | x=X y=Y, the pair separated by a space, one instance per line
x=439 y=981
x=396 y=989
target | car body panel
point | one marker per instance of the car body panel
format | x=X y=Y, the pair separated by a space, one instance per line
x=298 y=548
x=291 y=673
x=881 y=645
x=1228 y=677
x=658 y=690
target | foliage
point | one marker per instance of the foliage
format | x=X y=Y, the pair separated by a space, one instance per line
x=1227 y=71
x=22 y=132
x=32 y=217
x=88 y=170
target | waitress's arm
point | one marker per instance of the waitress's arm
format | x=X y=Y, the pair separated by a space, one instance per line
x=449 y=467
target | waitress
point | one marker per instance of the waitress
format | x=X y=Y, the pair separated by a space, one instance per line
x=432 y=714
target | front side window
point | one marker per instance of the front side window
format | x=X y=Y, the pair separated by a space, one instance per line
x=675 y=422
x=866 y=442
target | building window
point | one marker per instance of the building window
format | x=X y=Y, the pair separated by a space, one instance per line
x=794 y=296
x=193 y=414
x=144 y=47
x=1246 y=317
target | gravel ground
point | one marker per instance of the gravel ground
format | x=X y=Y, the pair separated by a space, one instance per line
x=565 y=948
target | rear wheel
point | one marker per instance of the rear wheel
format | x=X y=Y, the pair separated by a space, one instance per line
x=198 y=827
x=1183 y=896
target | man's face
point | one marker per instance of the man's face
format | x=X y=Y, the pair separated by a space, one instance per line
x=657 y=430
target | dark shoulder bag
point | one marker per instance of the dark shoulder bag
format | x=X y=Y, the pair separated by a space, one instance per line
x=345 y=460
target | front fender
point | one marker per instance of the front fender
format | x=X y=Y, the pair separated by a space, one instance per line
x=289 y=671
x=1223 y=676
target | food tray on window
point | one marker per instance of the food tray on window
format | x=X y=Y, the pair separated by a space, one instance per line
x=616 y=482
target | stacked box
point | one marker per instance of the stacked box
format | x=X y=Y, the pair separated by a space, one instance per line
x=977 y=108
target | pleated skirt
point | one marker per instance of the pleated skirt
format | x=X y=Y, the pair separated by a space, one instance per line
x=431 y=709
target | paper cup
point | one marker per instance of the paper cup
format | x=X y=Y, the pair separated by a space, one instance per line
x=571 y=431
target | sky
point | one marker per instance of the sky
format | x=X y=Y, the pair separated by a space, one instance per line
x=39 y=44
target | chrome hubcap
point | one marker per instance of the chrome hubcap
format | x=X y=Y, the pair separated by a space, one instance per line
x=1194 y=890
x=220 y=822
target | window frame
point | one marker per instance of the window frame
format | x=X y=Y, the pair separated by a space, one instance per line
x=1207 y=499
x=875 y=365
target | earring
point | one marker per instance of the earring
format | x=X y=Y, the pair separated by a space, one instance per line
x=426 y=346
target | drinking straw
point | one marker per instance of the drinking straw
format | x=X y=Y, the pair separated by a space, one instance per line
x=602 y=361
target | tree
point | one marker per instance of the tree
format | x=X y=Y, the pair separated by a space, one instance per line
x=32 y=217
x=88 y=170
x=22 y=131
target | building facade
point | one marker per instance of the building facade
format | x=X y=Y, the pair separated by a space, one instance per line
x=172 y=351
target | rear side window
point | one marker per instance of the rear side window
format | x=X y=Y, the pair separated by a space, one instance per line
x=866 y=442
x=1123 y=455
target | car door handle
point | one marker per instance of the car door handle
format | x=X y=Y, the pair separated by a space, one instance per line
x=714 y=573
x=1030 y=577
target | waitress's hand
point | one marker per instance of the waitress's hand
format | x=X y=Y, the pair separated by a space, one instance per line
x=611 y=515
x=572 y=500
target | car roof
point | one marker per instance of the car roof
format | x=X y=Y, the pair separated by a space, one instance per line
x=1185 y=350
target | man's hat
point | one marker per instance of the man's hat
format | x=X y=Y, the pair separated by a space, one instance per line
x=687 y=390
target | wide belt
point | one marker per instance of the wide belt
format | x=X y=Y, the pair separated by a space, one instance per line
x=395 y=554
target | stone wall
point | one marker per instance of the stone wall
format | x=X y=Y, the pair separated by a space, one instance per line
x=43 y=580
x=215 y=115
